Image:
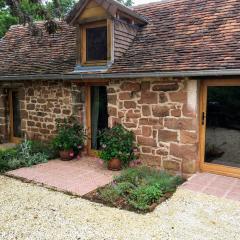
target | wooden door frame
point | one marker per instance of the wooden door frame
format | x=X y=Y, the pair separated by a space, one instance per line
x=12 y=139
x=209 y=167
x=90 y=151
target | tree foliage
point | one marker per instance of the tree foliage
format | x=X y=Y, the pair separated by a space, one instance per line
x=126 y=2
x=29 y=11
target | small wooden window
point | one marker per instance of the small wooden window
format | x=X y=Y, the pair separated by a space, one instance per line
x=15 y=116
x=96 y=43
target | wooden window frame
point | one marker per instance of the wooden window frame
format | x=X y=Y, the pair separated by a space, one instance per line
x=12 y=138
x=83 y=49
x=204 y=166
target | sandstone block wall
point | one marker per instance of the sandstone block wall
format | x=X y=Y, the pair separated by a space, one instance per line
x=46 y=101
x=163 y=115
x=41 y=103
x=161 y=112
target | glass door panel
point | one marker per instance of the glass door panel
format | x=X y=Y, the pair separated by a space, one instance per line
x=222 y=132
x=99 y=113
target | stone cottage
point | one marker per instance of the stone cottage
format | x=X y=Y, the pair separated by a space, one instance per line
x=168 y=71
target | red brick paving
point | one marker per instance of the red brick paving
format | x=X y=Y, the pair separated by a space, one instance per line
x=77 y=176
x=85 y=175
x=216 y=185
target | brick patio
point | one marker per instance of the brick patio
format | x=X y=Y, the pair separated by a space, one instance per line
x=77 y=176
x=82 y=176
x=212 y=184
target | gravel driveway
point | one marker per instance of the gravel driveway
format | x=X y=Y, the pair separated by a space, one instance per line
x=32 y=212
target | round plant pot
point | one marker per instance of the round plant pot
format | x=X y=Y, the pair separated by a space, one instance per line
x=114 y=164
x=66 y=155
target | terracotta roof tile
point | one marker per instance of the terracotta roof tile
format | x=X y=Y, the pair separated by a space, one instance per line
x=181 y=35
x=185 y=35
x=22 y=53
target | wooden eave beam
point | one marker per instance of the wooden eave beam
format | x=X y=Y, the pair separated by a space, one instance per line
x=84 y=4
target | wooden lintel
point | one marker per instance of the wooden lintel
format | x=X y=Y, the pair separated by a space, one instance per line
x=87 y=82
x=93 y=19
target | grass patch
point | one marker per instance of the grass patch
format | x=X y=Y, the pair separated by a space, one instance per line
x=25 y=154
x=137 y=189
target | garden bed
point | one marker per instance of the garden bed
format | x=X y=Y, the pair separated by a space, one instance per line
x=138 y=189
x=26 y=154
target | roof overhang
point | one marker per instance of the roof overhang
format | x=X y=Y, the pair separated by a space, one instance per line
x=111 y=6
x=99 y=76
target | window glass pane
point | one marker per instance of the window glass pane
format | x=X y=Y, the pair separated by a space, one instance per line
x=223 y=126
x=96 y=41
x=16 y=115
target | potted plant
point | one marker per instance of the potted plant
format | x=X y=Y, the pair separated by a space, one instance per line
x=69 y=139
x=117 y=147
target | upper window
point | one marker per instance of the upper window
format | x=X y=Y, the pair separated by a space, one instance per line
x=96 y=43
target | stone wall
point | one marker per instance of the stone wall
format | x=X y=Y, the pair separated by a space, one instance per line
x=41 y=103
x=162 y=114
x=46 y=101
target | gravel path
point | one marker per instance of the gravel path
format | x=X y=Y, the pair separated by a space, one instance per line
x=32 y=212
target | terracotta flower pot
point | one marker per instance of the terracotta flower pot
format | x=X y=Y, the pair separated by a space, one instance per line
x=66 y=155
x=114 y=164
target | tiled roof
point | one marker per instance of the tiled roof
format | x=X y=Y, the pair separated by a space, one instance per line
x=22 y=53
x=181 y=35
x=185 y=35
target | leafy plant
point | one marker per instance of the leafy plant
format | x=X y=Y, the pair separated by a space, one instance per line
x=70 y=135
x=126 y=2
x=133 y=175
x=124 y=188
x=27 y=158
x=117 y=142
x=140 y=187
x=26 y=154
x=109 y=194
x=6 y=20
x=43 y=147
x=143 y=196
x=5 y=158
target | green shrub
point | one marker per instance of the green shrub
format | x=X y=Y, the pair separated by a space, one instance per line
x=145 y=175
x=140 y=187
x=70 y=135
x=109 y=194
x=124 y=188
x=5 y=158
x=27 y=157
x=15 y=163
x=117 y=142
x=133 y=175
x=165 y=181
x=143 y=196
x=45 y=148
x=26 y=154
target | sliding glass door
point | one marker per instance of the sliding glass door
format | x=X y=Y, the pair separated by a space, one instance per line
x=220 y=127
